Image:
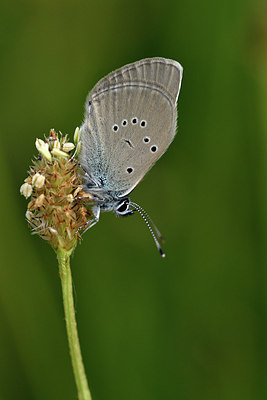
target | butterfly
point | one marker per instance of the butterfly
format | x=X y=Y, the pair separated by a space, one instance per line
x=130 y=120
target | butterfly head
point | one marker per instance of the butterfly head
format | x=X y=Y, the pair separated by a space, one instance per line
x=123 y=207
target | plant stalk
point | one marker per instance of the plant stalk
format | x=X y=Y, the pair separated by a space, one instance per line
x=73 y=339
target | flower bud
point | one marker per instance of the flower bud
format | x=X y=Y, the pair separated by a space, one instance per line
x=39 y=201
x=43 y=148
x=26 y=190
x=68 y=146
x=38 y=180
x=29 y=215
x=78 y=147
x=59 y=153
x=77 y=135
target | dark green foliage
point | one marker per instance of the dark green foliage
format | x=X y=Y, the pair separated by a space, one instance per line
x=192 y=326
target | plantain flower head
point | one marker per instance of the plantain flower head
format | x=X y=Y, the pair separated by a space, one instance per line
x=58 y=209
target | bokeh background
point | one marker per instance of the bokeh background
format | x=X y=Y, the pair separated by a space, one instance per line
x=192 y=326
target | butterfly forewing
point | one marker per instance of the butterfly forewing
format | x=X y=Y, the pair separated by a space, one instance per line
x=130 y=121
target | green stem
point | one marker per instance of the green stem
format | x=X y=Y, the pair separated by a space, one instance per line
x=74 y=345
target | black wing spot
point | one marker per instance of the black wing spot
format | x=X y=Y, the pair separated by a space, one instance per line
x=154 y=148
x=115 y=128
x=129 y=143
x=143 y=123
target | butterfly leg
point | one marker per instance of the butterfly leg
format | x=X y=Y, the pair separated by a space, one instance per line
x=92 y=222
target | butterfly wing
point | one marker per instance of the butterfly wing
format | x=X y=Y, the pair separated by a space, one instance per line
x=130 y=120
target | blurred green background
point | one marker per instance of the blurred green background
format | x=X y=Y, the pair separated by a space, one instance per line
x=192 y=326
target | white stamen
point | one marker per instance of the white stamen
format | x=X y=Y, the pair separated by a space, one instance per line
x=26 y=190
x=43 y=148
x=59 y=153
x=77 y=135
x=68 y=146
x=38 y=180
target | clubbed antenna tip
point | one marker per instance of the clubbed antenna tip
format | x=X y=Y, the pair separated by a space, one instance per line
x=150 y=224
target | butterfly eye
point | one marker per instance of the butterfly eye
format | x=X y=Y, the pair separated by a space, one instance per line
x=115 y=128
x=154 y=148
x=129 y=170
x=146 y=139
x=143 y=123
x=123 y=207
x=124 y=122
x=134 y=120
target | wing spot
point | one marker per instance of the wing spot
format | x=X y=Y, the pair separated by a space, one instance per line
x=134 y=120
x=146 y=139
x=130 y=170
x=115 y=128
x=124 y=122
x=143 y=123
x=129 y=143
x=153 y=148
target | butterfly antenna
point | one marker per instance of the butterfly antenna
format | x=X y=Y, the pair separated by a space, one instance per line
x=148 y=220
x=159 y=235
